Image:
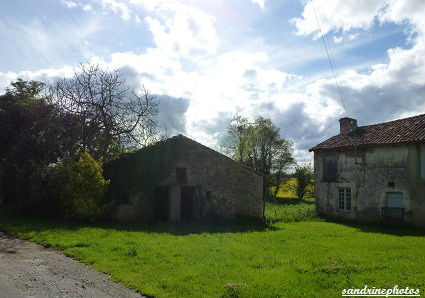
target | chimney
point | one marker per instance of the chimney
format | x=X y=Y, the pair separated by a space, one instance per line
x=347 y=125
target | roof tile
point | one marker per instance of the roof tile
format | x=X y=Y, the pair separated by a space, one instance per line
x=405 y=130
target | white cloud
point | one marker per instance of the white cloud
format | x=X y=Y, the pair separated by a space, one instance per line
x=87 y=7
x=44 y=75
x=349 y=37
x=337 y=39
x=213 y=90
x=348 y=15
x=178 y=29
x=182 y=30
x=118 y=7
x=258 y=2
x=69 y=4
x=353 y=36
x=72 y=4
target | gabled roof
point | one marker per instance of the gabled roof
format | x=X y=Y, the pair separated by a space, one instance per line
x=406 y=130
x=175 y=139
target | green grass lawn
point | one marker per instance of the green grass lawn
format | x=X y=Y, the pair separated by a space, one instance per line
x=311 y=258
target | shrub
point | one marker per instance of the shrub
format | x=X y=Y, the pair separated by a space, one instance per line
x=309 y=190
x=80 y=188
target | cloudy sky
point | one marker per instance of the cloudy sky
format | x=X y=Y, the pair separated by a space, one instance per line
x=209 y=60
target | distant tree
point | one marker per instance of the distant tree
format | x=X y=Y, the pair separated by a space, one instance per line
x=304 y=175
x=283 y=161
x=112 y=114
x=259 y=145
x=264 y=143
x=238 y=138
x=25 y=90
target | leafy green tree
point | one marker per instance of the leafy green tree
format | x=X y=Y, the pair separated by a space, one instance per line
x=304 y=175
x=283 y=161
x=260 y=146
x=238 y=138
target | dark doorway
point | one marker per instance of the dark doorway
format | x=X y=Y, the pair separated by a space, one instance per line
x=161 y=203
x=187 y=203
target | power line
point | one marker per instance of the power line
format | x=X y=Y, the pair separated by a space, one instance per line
x=329 y=59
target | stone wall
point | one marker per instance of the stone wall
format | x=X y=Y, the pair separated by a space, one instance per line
x=371 y=173
x=225 y=188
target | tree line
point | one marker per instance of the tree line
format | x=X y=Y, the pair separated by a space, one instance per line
x=49 y=129
x=54 y=138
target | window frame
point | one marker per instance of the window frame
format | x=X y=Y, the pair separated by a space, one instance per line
x=345 y=199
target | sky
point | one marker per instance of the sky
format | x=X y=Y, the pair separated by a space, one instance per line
x=212 y=59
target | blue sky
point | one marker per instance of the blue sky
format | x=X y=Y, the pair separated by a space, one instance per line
x=209 y=60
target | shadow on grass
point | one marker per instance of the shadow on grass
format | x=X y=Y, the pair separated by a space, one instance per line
x=197 y=227
x=378 y=228
x=23 y=225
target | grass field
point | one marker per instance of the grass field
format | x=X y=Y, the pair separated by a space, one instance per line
x=289 y=210
x=310 y=258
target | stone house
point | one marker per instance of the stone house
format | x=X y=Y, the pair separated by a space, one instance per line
x=180 y=179
x=373 y=173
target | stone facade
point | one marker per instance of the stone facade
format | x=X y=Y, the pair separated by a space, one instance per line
x=200 y=184
x=371 y=183
x=371 y=174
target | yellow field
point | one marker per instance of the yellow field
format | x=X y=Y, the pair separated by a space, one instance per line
x=287 y=190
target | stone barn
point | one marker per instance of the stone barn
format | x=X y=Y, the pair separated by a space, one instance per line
x=180 y=179
x=373 y=173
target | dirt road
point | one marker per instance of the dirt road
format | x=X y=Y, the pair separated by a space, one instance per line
x=30 y=270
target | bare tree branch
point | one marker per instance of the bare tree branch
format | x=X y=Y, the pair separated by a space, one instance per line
x=110 y=112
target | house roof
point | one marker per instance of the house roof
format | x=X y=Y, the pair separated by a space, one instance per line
x=406 y=130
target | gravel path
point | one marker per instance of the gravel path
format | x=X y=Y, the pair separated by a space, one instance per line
x=30 y=270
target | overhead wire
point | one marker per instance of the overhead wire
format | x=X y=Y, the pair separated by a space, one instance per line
x=330 y=60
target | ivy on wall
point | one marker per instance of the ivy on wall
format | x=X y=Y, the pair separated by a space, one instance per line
x=134 y=175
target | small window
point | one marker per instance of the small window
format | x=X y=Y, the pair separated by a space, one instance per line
x=422 y=161
x=208 y=195
x=391 y=184
x=181 y=174
x=344 y=199
x=330 y=169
